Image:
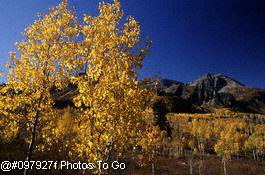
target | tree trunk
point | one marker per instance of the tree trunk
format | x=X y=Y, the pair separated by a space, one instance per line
x=153 y=168
x=191 y=166
x=33 y=138
x=153 y=164
x=224 y=163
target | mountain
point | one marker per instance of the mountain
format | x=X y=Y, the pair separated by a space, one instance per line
x=214 y=91
x=204 y=94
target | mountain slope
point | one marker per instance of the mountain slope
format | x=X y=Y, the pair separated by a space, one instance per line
x=218 y=90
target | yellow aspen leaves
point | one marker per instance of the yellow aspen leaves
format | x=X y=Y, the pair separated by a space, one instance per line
x=112 y=112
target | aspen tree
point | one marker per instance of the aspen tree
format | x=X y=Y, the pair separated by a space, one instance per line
x=46 y=59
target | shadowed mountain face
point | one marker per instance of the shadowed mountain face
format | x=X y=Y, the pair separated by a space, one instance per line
x=217 y=90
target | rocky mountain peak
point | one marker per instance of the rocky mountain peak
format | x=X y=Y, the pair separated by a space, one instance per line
x=215 y=82
x=217 y=90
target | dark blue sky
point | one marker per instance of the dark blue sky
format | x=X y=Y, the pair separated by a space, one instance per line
x=190 y=37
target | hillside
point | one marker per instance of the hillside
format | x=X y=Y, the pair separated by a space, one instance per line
x=191 y=116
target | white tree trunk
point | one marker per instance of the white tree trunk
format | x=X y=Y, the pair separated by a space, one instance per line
x=224 y=163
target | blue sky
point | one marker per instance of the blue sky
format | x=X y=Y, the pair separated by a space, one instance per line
x=190 y=37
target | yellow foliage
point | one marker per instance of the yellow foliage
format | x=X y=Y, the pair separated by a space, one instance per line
x=113 y=111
